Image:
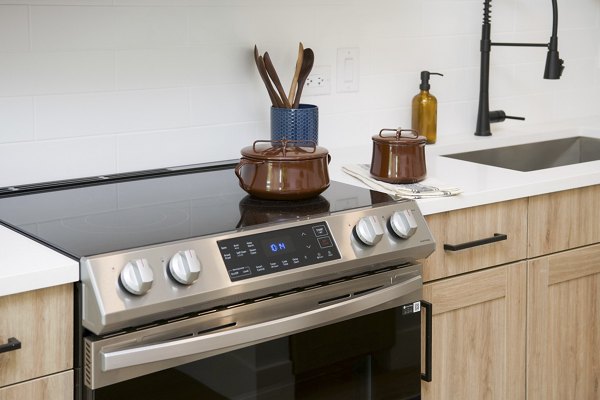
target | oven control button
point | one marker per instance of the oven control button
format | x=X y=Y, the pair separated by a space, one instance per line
x=185 y=267
x=368 y=230
x=403 y=224
x=137 y=276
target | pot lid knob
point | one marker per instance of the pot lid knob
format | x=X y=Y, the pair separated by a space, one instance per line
x=368 y=230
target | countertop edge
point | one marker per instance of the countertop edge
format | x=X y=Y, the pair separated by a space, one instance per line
x=27 y=265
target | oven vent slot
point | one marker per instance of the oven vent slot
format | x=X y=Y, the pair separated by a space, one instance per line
x=349 y=295
x=334 y=299
x=217 y=328
x=365 y=291
x=87 y=370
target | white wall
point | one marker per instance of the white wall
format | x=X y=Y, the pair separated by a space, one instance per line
x=99 y=86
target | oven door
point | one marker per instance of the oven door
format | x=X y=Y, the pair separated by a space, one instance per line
x=353 y=338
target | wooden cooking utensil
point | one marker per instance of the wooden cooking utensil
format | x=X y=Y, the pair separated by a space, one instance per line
x=275 y=78
x=294 y=85
x=308 y=59
x=260 y=65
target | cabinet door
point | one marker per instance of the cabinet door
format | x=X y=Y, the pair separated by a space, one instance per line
x=476 y=228
x=52 y=387
x=478 y=335
x=563 y=220
x=563 y=331
x=42 y=320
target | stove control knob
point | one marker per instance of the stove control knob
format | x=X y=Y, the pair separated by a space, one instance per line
x=137 y=276
x=185 y=267
x=403 y=224
x=369 y=230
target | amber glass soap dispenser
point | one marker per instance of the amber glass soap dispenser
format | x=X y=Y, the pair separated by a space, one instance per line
x=424 y=109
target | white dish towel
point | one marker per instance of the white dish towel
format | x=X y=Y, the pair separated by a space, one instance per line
x=407 y=191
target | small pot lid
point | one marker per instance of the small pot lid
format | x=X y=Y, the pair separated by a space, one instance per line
x=282 y=150
x=399 y=137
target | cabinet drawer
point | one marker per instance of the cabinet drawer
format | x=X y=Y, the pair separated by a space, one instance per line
x=42 y=320
x=53 y=387
x=475 y=228
x=564 y=220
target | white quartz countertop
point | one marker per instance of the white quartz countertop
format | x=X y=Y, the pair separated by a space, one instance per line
x=28 y=265
x=483 y=184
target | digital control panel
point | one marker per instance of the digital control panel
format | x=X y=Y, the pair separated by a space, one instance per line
x=271 y=252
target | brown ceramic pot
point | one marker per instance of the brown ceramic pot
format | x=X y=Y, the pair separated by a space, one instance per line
x=282 y=170
x=398 y=157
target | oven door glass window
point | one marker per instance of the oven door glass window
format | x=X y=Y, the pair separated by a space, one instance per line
x=376 y=356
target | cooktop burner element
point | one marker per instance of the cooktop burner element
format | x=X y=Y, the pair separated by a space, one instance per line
x=89 y=220
x=158 y=246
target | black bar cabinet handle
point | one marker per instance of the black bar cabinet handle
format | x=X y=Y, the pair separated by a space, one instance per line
x=456 y=247
x=10 y=345
x=428 y=340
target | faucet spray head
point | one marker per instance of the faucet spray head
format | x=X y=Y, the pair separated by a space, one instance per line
x=554 y=65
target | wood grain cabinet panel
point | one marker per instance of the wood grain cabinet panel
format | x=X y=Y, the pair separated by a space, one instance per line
x=43 y=321
x=479 y=334
x=53 y=387
x=563 y=220
x=474 y=224
x=563 y=334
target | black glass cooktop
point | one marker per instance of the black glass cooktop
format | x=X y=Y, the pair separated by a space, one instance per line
x=104 y=214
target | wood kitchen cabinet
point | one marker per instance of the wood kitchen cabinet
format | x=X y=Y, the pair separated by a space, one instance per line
x=563 y=220
x=478 y=335
x=471 y=226
x=563 y=334
x=42 y=320
x=536 y=320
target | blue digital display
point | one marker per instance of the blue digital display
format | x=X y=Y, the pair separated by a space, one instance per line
x=276 y=246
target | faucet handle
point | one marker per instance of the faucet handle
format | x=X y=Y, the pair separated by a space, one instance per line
x=499 y=116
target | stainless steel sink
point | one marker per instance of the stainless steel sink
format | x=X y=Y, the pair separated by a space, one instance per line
x=537 y=155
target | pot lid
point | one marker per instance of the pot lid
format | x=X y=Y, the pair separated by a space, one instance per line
x=280 y=150
x=399 y=137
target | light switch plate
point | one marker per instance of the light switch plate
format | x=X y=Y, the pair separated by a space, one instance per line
x=348 y=69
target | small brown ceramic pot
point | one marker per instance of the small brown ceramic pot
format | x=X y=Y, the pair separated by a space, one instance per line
x=397 y=158
x=282 y=170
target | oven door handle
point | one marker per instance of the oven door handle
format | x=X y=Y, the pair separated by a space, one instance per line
x=219 y=342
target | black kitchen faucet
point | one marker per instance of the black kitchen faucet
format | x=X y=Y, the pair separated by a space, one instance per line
x=553 y=70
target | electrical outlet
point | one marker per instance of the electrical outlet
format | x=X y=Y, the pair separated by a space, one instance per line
x=318 y=82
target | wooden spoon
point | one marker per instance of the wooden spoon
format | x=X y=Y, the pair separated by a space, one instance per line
x=275 y=78
x=275 y=100
x=308 y=59
x=294 y=85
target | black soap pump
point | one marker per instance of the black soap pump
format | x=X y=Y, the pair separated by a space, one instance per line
x=424 y=109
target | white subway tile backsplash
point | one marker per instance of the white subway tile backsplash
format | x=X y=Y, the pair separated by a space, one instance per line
x=72 y=72
x=16 y=119
x=72 y=28
x=29 y=162
x=112 y=112
x=153 y=68
x=155 y=83
x=227 y=104
x=36 y=73
x=60 y=2
x=149 y=27
x=14 y=28
x=184 y=146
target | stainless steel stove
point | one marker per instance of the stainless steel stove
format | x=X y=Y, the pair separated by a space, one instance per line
x=180 y=266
